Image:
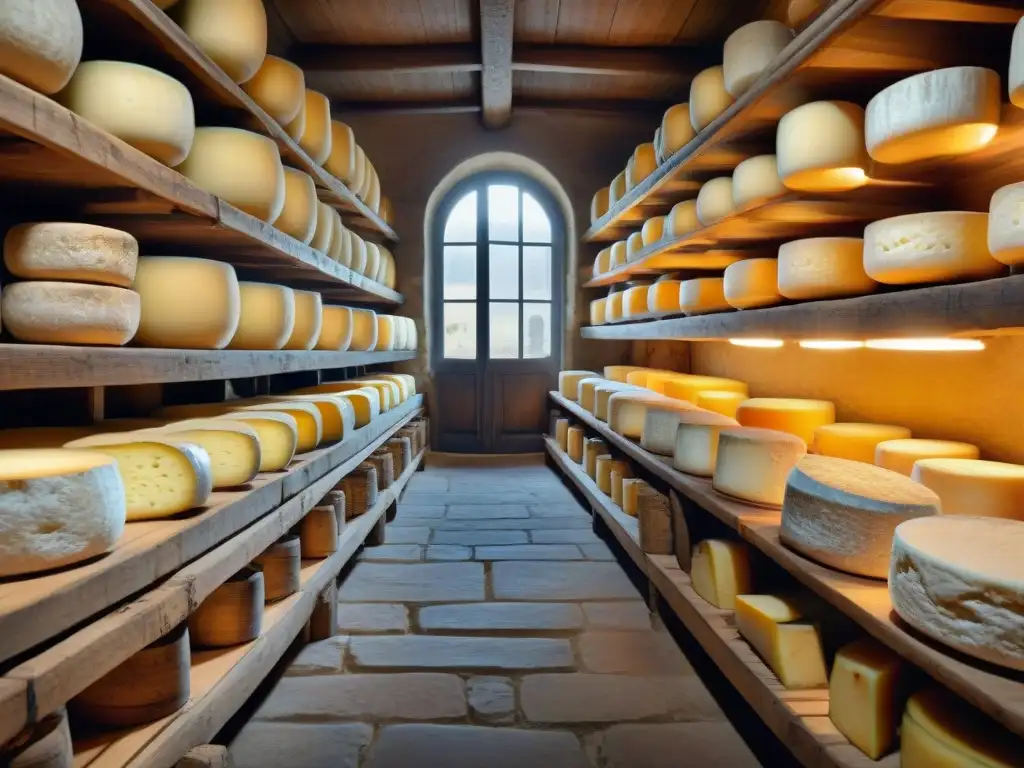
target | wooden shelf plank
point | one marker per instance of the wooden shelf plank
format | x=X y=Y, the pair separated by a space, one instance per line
x=812 y=738
x=998 y=692
x=940 y=310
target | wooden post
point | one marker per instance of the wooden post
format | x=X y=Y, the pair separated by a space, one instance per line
x=680 y=532
x=654 y=521
x=323 y=623
x=376 y=535
x=206 y=756
x=392 y=512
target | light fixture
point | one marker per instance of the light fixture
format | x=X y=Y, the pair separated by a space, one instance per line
x=831 y=344
x=927 y=345
x=757 y=343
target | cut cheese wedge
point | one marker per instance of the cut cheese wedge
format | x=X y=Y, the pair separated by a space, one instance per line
x=720 y=570
x=823 y=268
x=901 y=455
x=278 y=434
x=696 y=441
x=865 y=694
x=234 y=448
x=569 y=383
x=752 y=283
x=753 y=464
x=856 y=442
x=974 y=487
x=661 y=420
x=307 y=421
x=791 y=647
x=798 y=417
x=719 y=401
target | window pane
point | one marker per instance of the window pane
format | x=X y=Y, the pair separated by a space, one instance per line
x=503 y=212
x=504 y=330
x=460 y=331
x=536 y=330
x=536 y=225
x=504 y=271
x=461 y=224
x=536 y=272
x=459 y=272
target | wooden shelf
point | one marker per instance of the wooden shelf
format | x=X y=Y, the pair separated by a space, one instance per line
x=798 y=717
x=34 y=610
x=996 y=691
x=940 y=310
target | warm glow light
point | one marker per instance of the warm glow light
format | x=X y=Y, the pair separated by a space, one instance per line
x=927 y=345
x=831 y=344
x=758 y=343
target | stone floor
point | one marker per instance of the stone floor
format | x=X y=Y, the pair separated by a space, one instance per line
x=492 y=629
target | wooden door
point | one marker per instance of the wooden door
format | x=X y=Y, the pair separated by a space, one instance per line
x=497 y=299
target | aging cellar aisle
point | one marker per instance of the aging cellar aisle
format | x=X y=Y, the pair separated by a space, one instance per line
x=493 y=628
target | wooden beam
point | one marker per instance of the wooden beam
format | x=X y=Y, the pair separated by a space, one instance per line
x=597 y=60
x=409 y=107
x=450 y=106
x=387 y=59
x=496 y=55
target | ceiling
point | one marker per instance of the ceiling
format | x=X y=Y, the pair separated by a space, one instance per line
x=496 y=55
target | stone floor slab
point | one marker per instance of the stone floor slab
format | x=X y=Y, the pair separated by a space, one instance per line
x=558 y=509
x=492 y=698
x=505 y=497
x=569 y=536
x=620 y=615
x=709 y=745
x=489 y=512
x=448 y=552
x=632 y=653
x=560 y=581
x=498 y=524
x=420 y=511
x=338 y=745
x=529 y=552
x=358 y=618
x=406 y=534
x=597 y=551
x=474 y=538
x=319 y=658
x=392 y=552
x=501 y=617
x=413 y=583
x=462 y=653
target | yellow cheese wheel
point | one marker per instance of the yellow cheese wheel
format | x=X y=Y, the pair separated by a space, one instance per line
x=689 y=386
x=40 y=42
x=599 y=204
x=714 y=201
x=231 y=32
x=233 y=447
x=676 y=129
x=340 y=249
x=900 y=455
x=597 y=309
x=634 y=300
x=357 y=251
x=298 y=216
x=653 y=230
x=372 y=265
x=708 y=97
x=307 y=418
x=795 y=416
x=634 y=244
x=752 y=283
x=756 y=181
x=613 y=305
x=724 y=403
x=364 y=330
x=663 y=297
x=856 y=442
x=702 y=295
x=312 y=127
x=644 y=164
x=820 y=147
x=617 y=189
x=385 y=333
x=44 y=312
x=278 y=434
x=361 y=169
x=620 y=254
x=682 y=219
x=53 y=250
x=324 y=231
x=336 y=330
x=278 y=87
x=267 y=316
x=308 y=320
x=823 y=268
x=974 y=487
x=342 y=160
x=749 y=51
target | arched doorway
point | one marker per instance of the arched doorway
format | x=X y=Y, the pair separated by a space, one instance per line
x=496 y=294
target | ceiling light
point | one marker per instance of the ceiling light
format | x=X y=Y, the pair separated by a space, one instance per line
x=927 y=345
x=831 y=344
x=757 y=343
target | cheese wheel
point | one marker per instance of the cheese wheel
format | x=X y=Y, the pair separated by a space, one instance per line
x=373 y=195
x=278 y=434
x=365 y=401
x=603 y=473
x=387 y=392
x=267 y=316
x=795 y=416
x=342 y=160
x=718 y=401
x=941 y=113
x=613 y=305
x=231 y=32
x=85 y=253
x=695 y=448
x=297 y=126
x=708 y=97
x=364 y=330
x=974 y=487
x=597 y=316
x=690 y=386
x=336 y=329
x=620 y=372
x=752 y=283
x=569 y=382
x=232 y=614
x=663 y=297
x=677 y=129
x=843 y=513
x=240 y=167
x=627 y=410
x=856 y=442
x=634 y=244
x=864 y=692
x=755 y=181
x=357 y=248
x=593 y=448
x=575 y=444
x=337 y=416
x=361 y=169
x=318 y=533
x=976 y=563
x=586 y=392
x=281 y=564
x=312 y=127
x=653 y=230
x=634 y=300
x=661 y=420
x=819 y=147
x=900 y=455
x=752 y=464
x=308 y=421
x=637 y=376
x=703 y=295
x=40 y=42
x=298 y=215
x=682 y=219
x=617 y=189
x=799 y=11
x=385 y=333
x=939 y=246
x=340 y=249
x=141 y=106
x=720 y=570
x=187 y=303
x=714 y=201
x=619 y=255
x=1005 y=230
x=308 y=320
x=603 y=393
x=823 y=268
x=599 y=204
x=645 y=162
x=234 y=449
x=43 y=312
x=372 y=261
x=749 y=51
x=57 y=508
x=791 y=647
x=324 y=231
x=278 y=87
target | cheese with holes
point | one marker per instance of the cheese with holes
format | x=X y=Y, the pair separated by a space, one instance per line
x=823 y=268
x=663 y=297
x=162 y=476
x=278 y=434
x=843 y=513
x=240 y=167
x=974 y=487
x=627 y=411
x=312 y=127
x=593 y=448
x=1006 y=225
x=935 y=247
x=695 y=448
x=40 y=42
x=85 y=253
x=856 y=442
x=569 y=383
x=714 y=201
x=756 y=181
x=720 y=570
x=749 y=51
x=798 y=417
x=233 y=447
x=364 y=330
x=308 y=320
x=324 y=231
x=43 y=312
x=864 y=695
x=603 y=393
x=939 y=730
x=599 y=204
x=634 y=244
x=702 y=295
x=597 y=316
x=719 y=401
x=645 y=162
x=141 y=106
x=653 y=230
x=342 y=160
x=298 y=215
x=57 y=508
x=940 y=113
x=708 y=97
x=958 y=580
x=576 y=438
x=278 y=87
x=231 y=32
x=308 y=422
x=337 y=416
x=267 y=318
x=682 y=219
x=900 y=455
x=791 y=647
x=819 y=147
x=752 y=464
x=658 y=434
x=620 y=372
x=676 y=129
x=634 y=300
x=752 y=283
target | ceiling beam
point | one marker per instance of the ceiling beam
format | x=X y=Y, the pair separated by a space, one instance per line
x=387 y=59
x=496 y=57
x=453 y=106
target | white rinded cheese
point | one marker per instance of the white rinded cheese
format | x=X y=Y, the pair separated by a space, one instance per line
x=187 y=303
x=627 y=410
x=278 y=434
x=901 y=455
x=959 y=580
x=342 y=160
x=308 y=320
x=364 y=330
x=569 y=382
x=40 y=42
x=240 y=167
x=57 y=508
x=708 y=97
x=231 y=32
x=1005 y=230
x=603 y=393
x=856 y=442
x=401 y=332
x=753 y=464
x=752 y=283
x=141 y=106
x=719 y=401
x=653 y=230
x=750 y=50
x=688 y=386
x=843 y=513
x=791 y=647
x=278 y=87
x=793 y=415
x=663 y=297
x=696 y=441
x=682 y=219
x=1016 y=75
x=85 y=253
x=720 y=570
x=755 y=181
x=575 y=442
x=298 y=215
x=324 y=232
x=43 y=312
x=974 y=487
x=939 y=113
x=939 y=246
x=233 y=447
x=312 y=128
x=702 y=295
x=267 y=317
x=864 y=693
x=820 y=147
x=336 y=329
x=308 y=421
x=823 y=268
x=586 y=392
x=645 y=162
x=599 y=204
x=676 y=129
x=597 y=316
x=714 y=201
x=660 y=423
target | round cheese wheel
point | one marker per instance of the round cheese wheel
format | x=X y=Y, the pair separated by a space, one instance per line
x=40 y=42
x=308 y=320
x=714 y=201
x=359 y=179
x=823 y=268
x=372 y=261
x=974 y=487
x=645 y=162
x=339 y=249
x=364 y=330
x=324 y=231
x=599 y=204
x=279 y=88
x=357 y=249
x=297 y=126
x=755 y=181
x=753 y=464
x=385 y=333
x=682 y=219
x=44 y=312
x=312 y=127
x=54 y=250
x=708 y=97
x=141 y=106
x=298 y=215
x=752 y=283
x=676 y=129
x=620 y=254
x=663 y=297
x=696 y=441
x=187 y=303
x=792 y=415
x=687 y=386
x=617 y=189
x=267 y=317
x=652 y=231
x=900 y=455
x=750 y=50
x=819 y=147
x=337 y=327
x=718 y=401
x=342 y=160
x=373 y=195
x=1005 y=225
x=634 y=244
x=702 y=295
x=231 y=32
x=856 y=442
